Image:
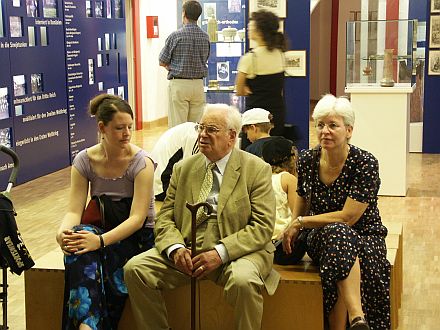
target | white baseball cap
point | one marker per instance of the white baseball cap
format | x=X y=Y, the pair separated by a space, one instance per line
x=255 y=116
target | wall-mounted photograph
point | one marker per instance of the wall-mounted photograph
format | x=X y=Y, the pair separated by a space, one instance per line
x=2 y=32
x=107 y=41
x=99 y=9
x=434 y=62
x=295 y=63
x=4 y=104
x=89 y=12
x=99 y=60
x=15 y=26
x=36 y=83
x=31 y=36
x=435 y=6
x=118 y=9
x=5 y=137
x=223 y=71
x=108 y=8
x=278 y=7
x=19 y=110
x=50 y=8
x=121 y=92
x=32 y=8
x=19 y=85
x=91 y=71
x=434 y=34
x=16 y=3
x=209 y=9
x=234 y=6
x=43 y=36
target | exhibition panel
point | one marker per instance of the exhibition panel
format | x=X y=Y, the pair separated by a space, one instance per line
x=55 y=55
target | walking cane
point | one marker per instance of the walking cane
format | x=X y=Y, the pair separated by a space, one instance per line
x=193 y=209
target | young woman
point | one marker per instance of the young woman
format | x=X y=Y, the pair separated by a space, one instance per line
x=121 y=175
x=260 y=74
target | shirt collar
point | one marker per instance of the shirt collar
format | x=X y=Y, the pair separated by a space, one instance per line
x=221 y=164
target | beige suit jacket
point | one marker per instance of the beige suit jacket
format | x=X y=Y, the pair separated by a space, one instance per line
x=245 y=211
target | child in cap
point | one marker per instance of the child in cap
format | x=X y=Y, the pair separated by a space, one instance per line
x=281 y=154
x=256 y=124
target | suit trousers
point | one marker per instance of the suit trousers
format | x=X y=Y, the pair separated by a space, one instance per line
x=186 y=101
x=150 y=272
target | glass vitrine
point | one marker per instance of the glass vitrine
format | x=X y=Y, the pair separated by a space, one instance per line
x=380 y=53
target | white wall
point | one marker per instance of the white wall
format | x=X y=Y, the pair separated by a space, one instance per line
x=154 y=77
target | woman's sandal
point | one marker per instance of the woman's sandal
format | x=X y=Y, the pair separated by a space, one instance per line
x=359 y=323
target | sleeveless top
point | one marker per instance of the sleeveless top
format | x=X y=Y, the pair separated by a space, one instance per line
x=264 y=71
x=116 y=188
x=283 y=213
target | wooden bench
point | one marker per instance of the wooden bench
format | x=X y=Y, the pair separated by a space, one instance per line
x=297 y=301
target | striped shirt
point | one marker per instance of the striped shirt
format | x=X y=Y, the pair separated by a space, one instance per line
x=186 y=52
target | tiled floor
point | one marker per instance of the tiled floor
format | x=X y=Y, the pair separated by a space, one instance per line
x=40 y=205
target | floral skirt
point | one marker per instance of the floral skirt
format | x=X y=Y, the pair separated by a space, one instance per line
x=95 y=292
x=335 y=248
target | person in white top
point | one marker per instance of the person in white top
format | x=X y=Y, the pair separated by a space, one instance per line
x=176 y=143
x=281 y=154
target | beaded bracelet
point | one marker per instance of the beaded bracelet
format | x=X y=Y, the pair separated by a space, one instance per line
x=300 y=221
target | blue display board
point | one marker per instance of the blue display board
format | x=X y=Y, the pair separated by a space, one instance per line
x=54 y=57
x=33 y=37
x=96 y=62
x=6 y=124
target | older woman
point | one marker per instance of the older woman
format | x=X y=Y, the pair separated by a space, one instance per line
x=347 y=238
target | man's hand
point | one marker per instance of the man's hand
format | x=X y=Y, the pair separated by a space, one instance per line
x=182 y=259
x=206 y=262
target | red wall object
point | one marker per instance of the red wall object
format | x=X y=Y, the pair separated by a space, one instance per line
x=152 y=27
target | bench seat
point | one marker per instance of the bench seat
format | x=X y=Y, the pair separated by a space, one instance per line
x=297 y=301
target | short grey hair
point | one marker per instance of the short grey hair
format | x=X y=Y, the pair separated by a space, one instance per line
x=232 y=115
x=330 y=105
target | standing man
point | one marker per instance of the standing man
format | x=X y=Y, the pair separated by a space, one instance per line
x=185 y=56
x=234 y=241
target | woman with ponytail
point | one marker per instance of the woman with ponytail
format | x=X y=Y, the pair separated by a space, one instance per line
x=260 y=74
x=117 y=223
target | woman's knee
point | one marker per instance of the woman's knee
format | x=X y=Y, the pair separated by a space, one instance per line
x=339 y=229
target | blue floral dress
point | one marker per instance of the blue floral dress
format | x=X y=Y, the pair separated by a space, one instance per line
x=335 y=247
x=95 y=291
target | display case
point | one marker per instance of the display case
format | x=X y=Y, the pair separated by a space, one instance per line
x=380 y=53
x=225 y=23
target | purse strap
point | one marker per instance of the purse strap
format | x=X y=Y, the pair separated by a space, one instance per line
x=315 y=157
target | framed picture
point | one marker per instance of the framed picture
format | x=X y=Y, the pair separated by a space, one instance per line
x=434 y=63
x=434 y=33
x=435 y=6
x=295 y=63
x=222 y=71
x=278 y=7
x=50 y=8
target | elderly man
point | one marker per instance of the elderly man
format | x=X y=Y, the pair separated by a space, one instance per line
x=234 y=242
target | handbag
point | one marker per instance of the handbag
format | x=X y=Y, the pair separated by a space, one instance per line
x=299 y=247
x=106 y=214
x=92 y=213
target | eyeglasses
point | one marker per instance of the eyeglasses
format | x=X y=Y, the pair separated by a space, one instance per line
x=331 y=126
x=207 y=128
